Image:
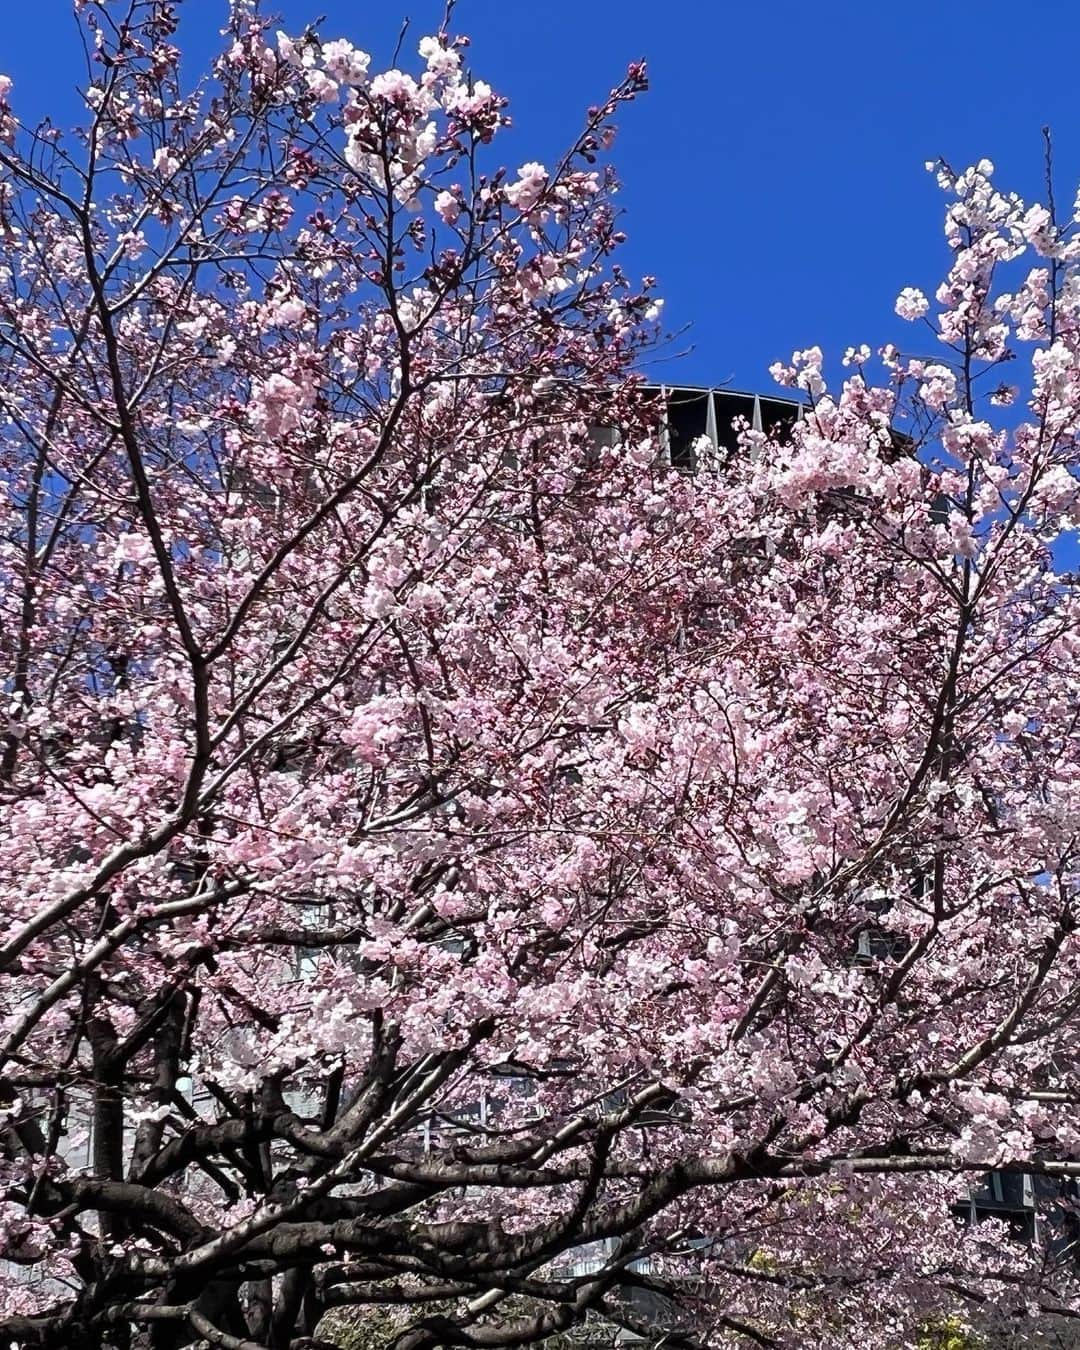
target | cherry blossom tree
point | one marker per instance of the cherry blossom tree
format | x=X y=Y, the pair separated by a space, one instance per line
x=466 y=882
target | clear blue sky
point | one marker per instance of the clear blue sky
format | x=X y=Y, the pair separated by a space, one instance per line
x=774 y=174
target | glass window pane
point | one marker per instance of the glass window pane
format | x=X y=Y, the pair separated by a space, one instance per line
x=688 y=414
x=729 y=408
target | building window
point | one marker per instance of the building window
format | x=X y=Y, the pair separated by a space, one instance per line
x=687 y=420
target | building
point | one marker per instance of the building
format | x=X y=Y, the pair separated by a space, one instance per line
x=693 y=411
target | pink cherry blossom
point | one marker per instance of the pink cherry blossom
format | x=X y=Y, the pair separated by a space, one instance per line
x=448 y=206
x=526 y=192
x=458 y=868
x=165 y=162
x=912 y=304
x=345 y=63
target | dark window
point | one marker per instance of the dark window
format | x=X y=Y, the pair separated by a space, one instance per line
x=878 y=944
x=778 y=418
x=729 y=409
x=687 y=419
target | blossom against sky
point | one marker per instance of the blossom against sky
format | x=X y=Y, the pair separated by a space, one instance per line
x=774 y=175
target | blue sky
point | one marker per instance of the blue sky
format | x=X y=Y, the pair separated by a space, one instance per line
x=774 y=174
